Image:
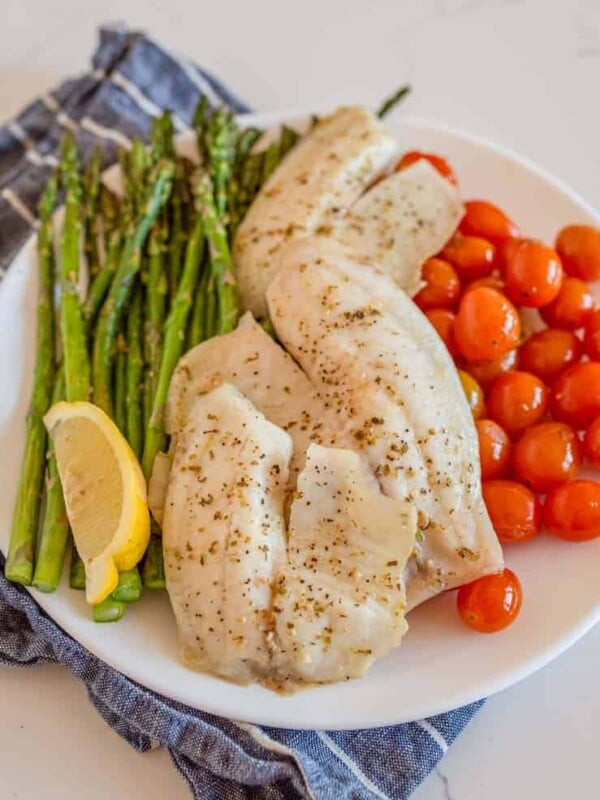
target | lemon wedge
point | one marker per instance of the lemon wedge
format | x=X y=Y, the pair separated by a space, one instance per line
x=105 y=493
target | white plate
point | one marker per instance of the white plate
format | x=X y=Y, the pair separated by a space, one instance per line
x=441 y=664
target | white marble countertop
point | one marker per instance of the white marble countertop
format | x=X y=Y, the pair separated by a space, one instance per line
x=524 y=72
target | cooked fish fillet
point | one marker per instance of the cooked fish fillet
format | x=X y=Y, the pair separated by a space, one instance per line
x=402 y=221
x=224 y=533
x=322 y=176
x=261 y=370
x=340 y=602
x=374 y=356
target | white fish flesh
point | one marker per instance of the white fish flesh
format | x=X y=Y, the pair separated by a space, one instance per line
x=402 y=221
x=322 y=176
x=374 y=356
x=339 y=604
x=224 y=533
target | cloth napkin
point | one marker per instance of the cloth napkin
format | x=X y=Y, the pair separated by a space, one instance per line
x=132 y=80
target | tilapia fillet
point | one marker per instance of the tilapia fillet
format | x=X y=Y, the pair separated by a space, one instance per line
x=224 y=533
x=249 y=606
x=378 y=364
x=323 y=174
x=341 y=599
x=250 y=360
x=335 y=183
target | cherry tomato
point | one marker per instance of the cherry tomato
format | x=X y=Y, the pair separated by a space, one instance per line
x=579 y=248
x=471 y=256
x=571 y=307
x=486 y=372
x=491 y=281
x=487 y=220
x=592 y=336
x=437 y=162
x=504 y=252
x=572 y=511
x=473 y=393
x=442 y=288
x=517 y=400
x=533 y=274
x=494 y=449
x=575 y=395
x=591 y=443
x=491 y=603
x=547 y=455
x=443 y=321
x=514 y=510
x=487 y=325
x=547 y=353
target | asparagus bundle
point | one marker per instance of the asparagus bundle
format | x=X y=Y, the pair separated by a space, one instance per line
x=161 y=278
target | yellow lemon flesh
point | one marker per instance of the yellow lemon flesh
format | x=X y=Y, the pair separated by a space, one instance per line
x=105 y=493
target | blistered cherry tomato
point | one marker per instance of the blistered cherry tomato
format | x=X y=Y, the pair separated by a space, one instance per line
x=486 y=372
x=575 y=395
x=579 y=248
x=471 y=256
x=442 y=288
x=571 y=307
x=487 y=325
x=514 y=510
x=533 y=274
x=517 y=400
x=572 y=510
x=591 y=443
x=494 y=449
x=437 y=162
x=443 y=321
x=490 y=281
x=547 y=353
x=491 y=603
x=473 y=393
x=547 y=455
x=592 y=336
x=487 y=220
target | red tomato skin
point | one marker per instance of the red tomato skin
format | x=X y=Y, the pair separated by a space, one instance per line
x=575 y=395
x=571 y=307
x=475 y=340
x=514 y=510
x=533 y=274
x=491 y=603
x=488 y=221
x=442 y=285
x=486 y=372
x=591 y=443
x=494 y=449
x=439 y=163
x=443 y=322
x=579 y=249
x=471 y=256
x=572 y=511
x=547 y=455
x=504 y=251
x=490 y=281
x=549 y=352
x=592 y=336
x=517 y=400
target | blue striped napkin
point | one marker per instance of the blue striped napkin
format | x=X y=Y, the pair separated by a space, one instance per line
x=132 y=80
